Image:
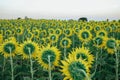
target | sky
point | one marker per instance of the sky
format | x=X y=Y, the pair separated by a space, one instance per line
x=60 y=9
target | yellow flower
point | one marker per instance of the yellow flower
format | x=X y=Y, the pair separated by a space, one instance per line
x=19 y=30
x=9 y=47
x=29 y=48
x=74 y=69
x=68 y=32
x=110 y=45
x=99 y=41
x=85 y=35
x=54 y=54
x=65 y=43
x=102 y=33
x=84 y=54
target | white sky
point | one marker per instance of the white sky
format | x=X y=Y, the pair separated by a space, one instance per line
x=60 y=9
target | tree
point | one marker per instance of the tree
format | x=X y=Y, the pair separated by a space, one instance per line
x=82 y=19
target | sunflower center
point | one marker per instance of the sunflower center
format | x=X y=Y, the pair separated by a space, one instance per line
x=65 y=42
x=74 y=69
x=47 y=53
x=97 y=28
x=102 y=34
x=7 y=32
x=98 y=41
x=67 y=32
x=29 y=48
x=57 y=31
x=111 y=44
x=53 y=37
x=85 y=34
x=18 y=30
x=29 y=35
x=82 y=55
x=9 y=46
x=87 y=27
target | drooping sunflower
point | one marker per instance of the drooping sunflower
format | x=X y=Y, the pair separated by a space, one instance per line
x=74 y=69
x=29 y=48
x=65 y=43
x=84 y=54
x=9 y=47
x=54 y=54
x=99 y=41
x=102 y=33
x=110 y=45
x=85 y=35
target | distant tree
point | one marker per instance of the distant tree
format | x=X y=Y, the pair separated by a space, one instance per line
x=19 y=18
x=82 y=19
x=26 y=18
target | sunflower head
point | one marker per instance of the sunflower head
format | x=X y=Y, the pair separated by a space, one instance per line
x=84 y=54
x=19 y=30
x=74 y=69
x=85 y=35
x=110 y=45
x=68 y=32
x=65 y=43
x=99 y=41
x=51 y=52
x=102 y=33
x=29 y=48
x=9 y=47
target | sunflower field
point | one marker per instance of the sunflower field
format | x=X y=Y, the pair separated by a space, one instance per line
x=59 y=50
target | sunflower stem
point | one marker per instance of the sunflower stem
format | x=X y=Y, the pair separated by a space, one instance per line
x=50 y=78
x=96 y=58
x=81 y=70
x=65 y=51
x=3 y=68
x=11 y=62
x=117 y=64
x=31 y=64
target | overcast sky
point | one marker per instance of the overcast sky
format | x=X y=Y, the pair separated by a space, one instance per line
x=60 y=9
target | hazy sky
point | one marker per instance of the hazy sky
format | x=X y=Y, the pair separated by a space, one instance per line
x=60 y=9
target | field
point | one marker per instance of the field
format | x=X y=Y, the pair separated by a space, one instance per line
x=59 y=50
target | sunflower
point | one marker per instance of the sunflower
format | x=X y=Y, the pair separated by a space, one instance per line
x=97 y=28
x=29 y=48
x=102 y=33
x=84 y=54
x=88 y=27
x=53 y=38
x=51 y=31
x=99 y=41
x=54 y=54
x=74 y=69
x=9 y=47
x=110 y=45
x=42 y=34
x=68 y=32
x=58 y=32
x=29 y=35
x=19 y=30
x=85 y=35
x=8 y=32
x=65 y=43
